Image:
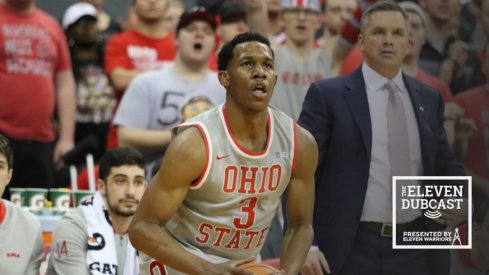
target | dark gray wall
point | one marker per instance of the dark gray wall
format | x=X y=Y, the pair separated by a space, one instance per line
x=116 y=8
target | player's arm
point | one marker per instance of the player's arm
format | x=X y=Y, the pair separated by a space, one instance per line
x=37 y=252
x=69 y=247
x=300 y=204
x=183 y=162
x=349 y=34
x=121 y=77
x=133 y=118
x=257 y=17
x=144 y=140
x=118 y=65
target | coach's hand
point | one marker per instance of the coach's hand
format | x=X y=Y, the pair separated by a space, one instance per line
x=451 y=218
x=315 y=263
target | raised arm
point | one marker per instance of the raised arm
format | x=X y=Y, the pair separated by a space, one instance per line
x=349 y=35
x=182 y=163
x=118 y=66
x=257 y=17
x=300 y=203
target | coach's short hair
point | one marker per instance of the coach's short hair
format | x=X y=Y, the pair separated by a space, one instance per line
x=381 y=6
x=6 y=149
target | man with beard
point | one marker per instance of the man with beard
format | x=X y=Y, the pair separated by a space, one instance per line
x=92 y=239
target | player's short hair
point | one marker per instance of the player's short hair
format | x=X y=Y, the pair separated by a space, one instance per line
x=118 y=157
x=381 y=6
x=6 y=150
x=226 y=53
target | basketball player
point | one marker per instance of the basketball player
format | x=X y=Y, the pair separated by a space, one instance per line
x=209 y=207
x=21 y=245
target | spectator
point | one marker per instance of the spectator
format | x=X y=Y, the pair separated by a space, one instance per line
x=154 y=101
x=172 y=14
x=335 y=15
x=484 y=23
x=95 y=97
x=179 y=224
x=276 y=21
x=105 y=24
x=471 y=30
x=410 y=66
x=130 y=19
x=475 y=103
x=444 y=55
x=22 y=248
x=147 y=46
x=299 y=61
x=233 y=20
x=359 y=155
x=93 y=238
x=35 y=78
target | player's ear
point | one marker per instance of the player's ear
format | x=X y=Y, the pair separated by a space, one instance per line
x=101 y=187
x=223 y=78
x=9 y=175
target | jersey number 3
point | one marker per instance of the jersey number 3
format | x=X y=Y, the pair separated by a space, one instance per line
x=248 y=207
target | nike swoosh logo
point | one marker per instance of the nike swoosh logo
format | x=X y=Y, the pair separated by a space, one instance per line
x=221 y=157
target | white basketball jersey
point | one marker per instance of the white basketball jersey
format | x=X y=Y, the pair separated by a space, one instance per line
x=228 y=210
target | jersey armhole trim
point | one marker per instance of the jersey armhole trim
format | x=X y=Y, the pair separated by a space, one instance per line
x=294 y=145
x=208 y=152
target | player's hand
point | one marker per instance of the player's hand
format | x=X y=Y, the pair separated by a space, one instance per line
x=230 y=267
x=315 y=263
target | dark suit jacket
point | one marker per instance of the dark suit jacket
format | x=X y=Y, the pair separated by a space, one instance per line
x=336 y=112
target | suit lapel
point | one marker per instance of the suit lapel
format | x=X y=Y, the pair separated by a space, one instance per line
x=356 y=99
x=424 y=129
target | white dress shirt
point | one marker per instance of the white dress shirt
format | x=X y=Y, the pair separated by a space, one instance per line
x=378 y=200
